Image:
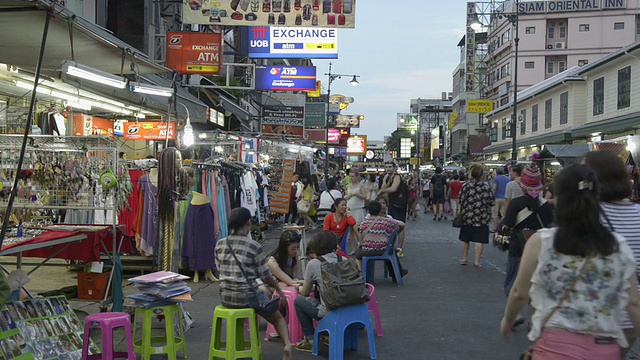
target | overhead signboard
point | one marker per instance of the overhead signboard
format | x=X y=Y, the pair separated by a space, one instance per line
x=322 y=14
x=315 y=114
x=194 y=53
x=317 y=135
x=286 y=78
x=283 y=115
x=407 y=121
x=357 y=145
x=215 y=117
x=479 y=106
x=553 y=6
x=315 y=93
x=149 y=131
x=269 y=42
x=352 y=121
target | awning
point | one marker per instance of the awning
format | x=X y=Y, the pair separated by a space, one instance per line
x=567 y=150
x=610 y=126
x=22 y=25
x=553 y=137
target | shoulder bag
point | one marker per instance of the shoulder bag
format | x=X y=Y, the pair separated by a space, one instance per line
x=267 y=306
x=526 y=355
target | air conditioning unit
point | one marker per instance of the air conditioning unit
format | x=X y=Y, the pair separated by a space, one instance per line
x=561 y=45
x=549 y=46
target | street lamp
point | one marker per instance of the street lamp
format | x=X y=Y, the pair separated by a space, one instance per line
x=354 y=82
x=513 y=19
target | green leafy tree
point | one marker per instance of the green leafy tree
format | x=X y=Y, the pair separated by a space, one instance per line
x=393 y=143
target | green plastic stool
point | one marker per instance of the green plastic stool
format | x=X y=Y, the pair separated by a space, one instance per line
x=236 y=347
x=172 y=345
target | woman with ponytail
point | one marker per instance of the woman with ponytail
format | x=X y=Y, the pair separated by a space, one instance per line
x=241 y=262
x=578 y=276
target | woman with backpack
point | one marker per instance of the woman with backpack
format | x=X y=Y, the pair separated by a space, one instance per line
x=438 y=193
x=323 y=245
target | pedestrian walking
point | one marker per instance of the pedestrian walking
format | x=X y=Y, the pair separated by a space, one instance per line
x=476 y=200
x=578 y=277
x=619 y=213
x=527 y=212
x=438 y=193
x=499 y=187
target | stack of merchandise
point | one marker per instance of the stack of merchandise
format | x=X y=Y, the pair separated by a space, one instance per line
x=160 y=288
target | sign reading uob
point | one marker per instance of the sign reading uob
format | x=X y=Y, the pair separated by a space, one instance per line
x=292 y=42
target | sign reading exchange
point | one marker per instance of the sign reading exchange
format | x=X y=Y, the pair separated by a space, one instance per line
x=267 y=42
x=194 y=53
x=286 y=78
x=316 y=13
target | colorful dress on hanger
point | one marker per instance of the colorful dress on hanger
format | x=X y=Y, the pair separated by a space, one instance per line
x=199 y=239
x=149 y=218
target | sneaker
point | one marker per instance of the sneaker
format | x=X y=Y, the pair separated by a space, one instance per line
x=404 y=272
x=399 y=252
x=305 y=345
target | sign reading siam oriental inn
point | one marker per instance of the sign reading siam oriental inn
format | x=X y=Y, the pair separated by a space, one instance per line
x=537 y=7
x=470 y=48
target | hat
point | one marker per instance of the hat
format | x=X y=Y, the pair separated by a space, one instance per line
x=531 y=180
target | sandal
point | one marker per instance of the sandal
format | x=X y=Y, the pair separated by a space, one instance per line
x=477 y=265
x=463 y=262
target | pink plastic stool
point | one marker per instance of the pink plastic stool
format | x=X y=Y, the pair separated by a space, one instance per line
x=107 y=322
x=295 y=329
x=374 y=308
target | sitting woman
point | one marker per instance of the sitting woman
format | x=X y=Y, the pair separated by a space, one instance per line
x=308 y=308
x=375 y=231
x=241 y=263
x=340 y=220
x=283 y=262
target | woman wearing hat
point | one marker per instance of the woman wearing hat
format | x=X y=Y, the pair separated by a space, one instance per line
x=530 y=211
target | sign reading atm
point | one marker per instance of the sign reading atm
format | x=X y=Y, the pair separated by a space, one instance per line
x=267 y=42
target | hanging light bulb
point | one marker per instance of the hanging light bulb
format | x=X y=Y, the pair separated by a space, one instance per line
x=187 y=135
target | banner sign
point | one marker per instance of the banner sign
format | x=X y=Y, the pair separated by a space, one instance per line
x=315 y=115
x=280 y=200
x=340 y=152
x=284 y=114
x=194 y=53
x=317 y=135
x=352 y=121
x=479 y=106
x=339 y=136
x=149 y=131
x=286 y=78
x=357 y=145
x=470 y=48
x=269 y=42
x=325 y=13
x=315 y=93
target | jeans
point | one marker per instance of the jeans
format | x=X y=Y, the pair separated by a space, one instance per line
x=293 y=211
x=307 y=311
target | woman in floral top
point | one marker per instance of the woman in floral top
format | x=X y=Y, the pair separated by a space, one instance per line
x=578 y=277
x=475 y=201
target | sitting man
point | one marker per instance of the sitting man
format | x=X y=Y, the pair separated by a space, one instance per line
x=375 y=231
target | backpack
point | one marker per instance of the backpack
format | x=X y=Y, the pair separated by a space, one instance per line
x=401 y=196
x=342 y=283
x=438 y=184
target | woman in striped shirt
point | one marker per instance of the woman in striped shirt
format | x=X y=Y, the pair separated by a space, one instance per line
x=619 y=213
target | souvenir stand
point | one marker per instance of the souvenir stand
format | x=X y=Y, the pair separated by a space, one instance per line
x=554 y=157
x=627 y=148
x=63 y=180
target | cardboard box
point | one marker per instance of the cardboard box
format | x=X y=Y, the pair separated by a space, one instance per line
x=92 y=286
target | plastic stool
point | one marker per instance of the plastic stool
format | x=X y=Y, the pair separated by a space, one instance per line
x=172 y=343
x=295 y=329
x=235 y=346
x=374 y=308
x=342 y=324
x=107 y=322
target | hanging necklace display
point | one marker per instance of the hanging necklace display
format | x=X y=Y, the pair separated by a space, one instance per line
x=107 y=179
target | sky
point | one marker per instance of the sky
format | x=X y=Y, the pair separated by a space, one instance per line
x=401 y=53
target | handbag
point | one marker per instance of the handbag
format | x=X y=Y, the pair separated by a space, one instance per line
x=457 y=221
x=303 y=206
x=268 y=306
x=526 y=355
x=502 y=238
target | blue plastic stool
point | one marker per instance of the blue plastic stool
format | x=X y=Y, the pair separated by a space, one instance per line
x=343 y=242
x=343 y=325
x=388 y=255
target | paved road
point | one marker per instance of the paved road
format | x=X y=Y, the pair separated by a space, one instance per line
x=444 y=310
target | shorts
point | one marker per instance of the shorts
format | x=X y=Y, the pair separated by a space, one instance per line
x=398 y=212
x=454 y=204
x=438 y=198
x=499 y=209
x=560 y=344
x=425 y=193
